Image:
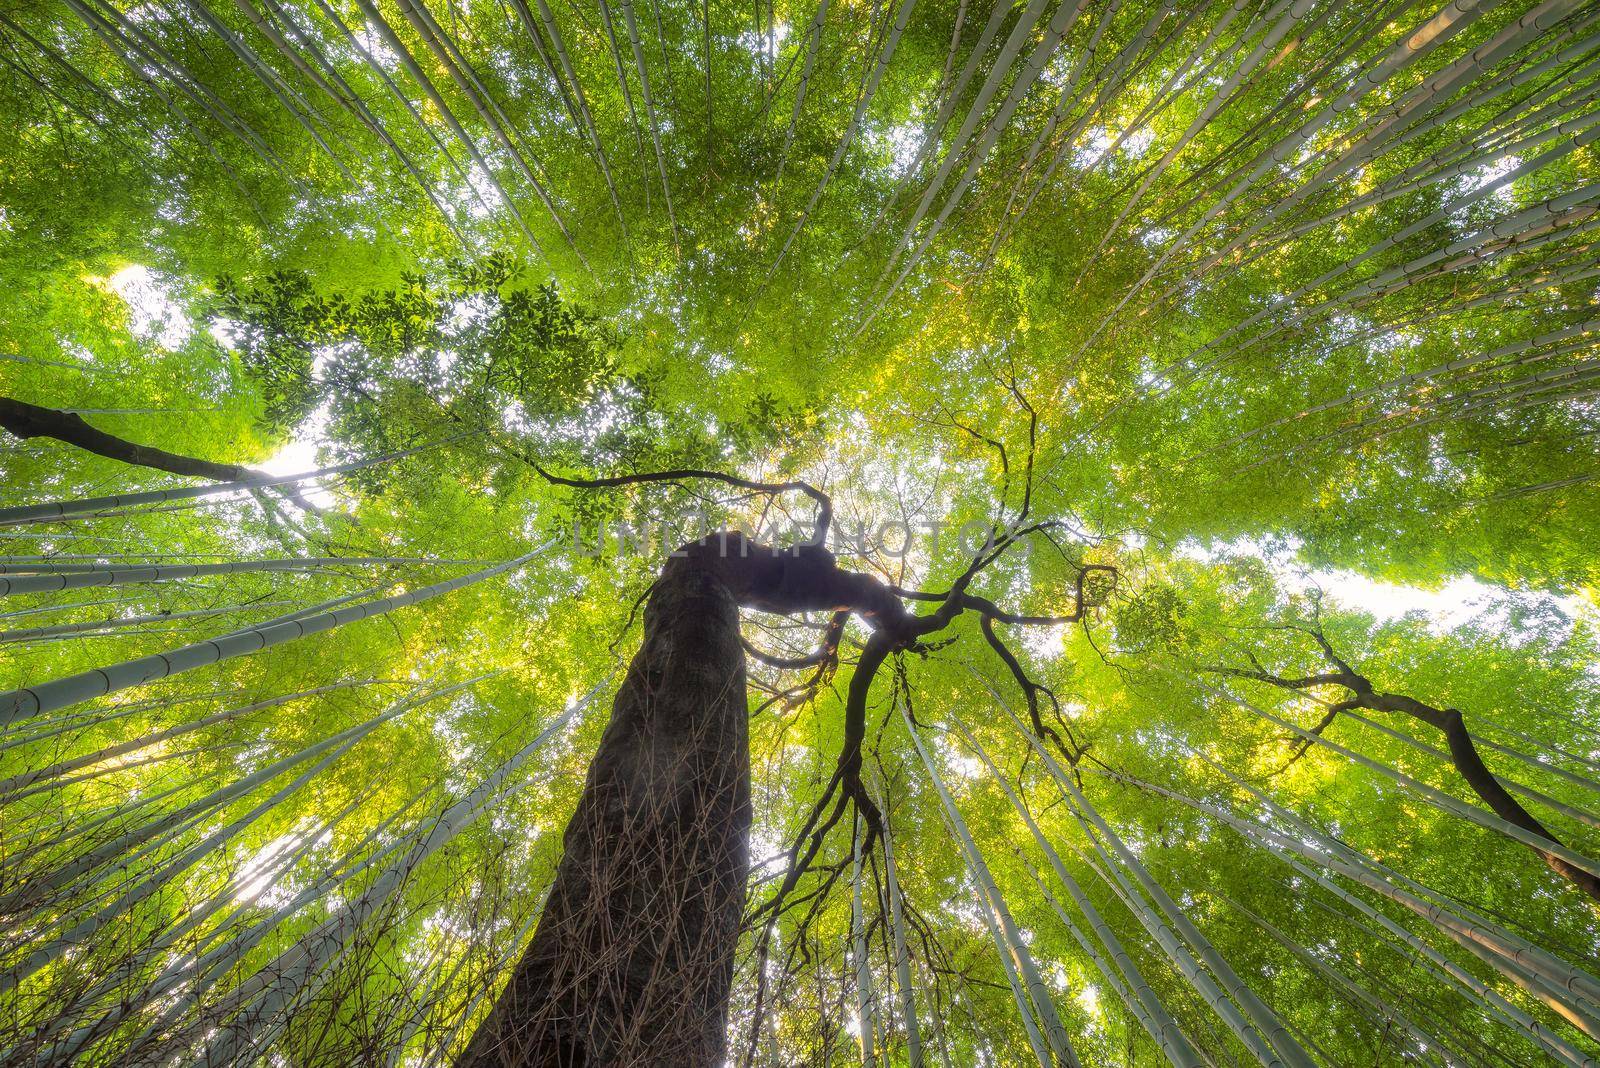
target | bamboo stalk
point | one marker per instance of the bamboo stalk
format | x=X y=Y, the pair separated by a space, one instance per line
x=1151 y=1013
x=294 y=975
x=32 y=701
x=1282 y=1046
x=1026 y=984
x=1282 y=845
x=1440 y=799
x=58 y=510
x=10 y=786
x=866 y=995
x=1461 y=924
x=902 y=953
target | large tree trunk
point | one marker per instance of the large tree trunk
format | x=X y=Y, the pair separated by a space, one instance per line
x=633 y=957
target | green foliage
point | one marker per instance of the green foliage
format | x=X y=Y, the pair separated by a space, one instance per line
x=476 y=334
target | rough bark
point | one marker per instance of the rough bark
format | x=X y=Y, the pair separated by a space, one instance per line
x=633 y=957
x=1484 y=783
x=1464 y=755
x=1476 y=774
x=31 y=421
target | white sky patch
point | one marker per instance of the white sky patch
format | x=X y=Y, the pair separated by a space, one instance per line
x=902 y=141
x=965 y=768
x=1490 y=173
x=375 y=47
x=261 y=871
x=768 y=852
x=1089 y=998
x=299 y=454
x=514 y=417
x=1156 y=236
x=481 y=197
x=153 y=313
x=760 y=44
x=471 y=311
x=1043 y=643
x=1454 y=602
x=222 y=331
x=1137 y=143
x=1096 y=140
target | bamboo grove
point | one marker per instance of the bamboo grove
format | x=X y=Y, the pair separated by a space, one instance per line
x=332 y=332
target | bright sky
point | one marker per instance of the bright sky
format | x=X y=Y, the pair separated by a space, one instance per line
x=1459 y=599
x=1450 y=605
x=299 y=454
x=296 y=456
x=155 y=315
